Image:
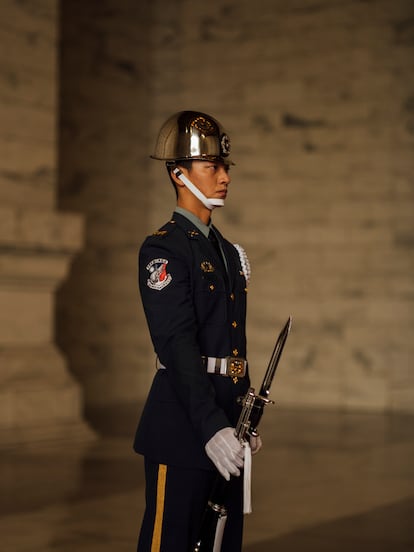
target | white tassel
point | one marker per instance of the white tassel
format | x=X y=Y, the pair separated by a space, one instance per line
x=218 y=538
x=247 y=482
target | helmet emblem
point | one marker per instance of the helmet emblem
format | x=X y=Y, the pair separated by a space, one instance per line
x=203 y=125
x=225 y=144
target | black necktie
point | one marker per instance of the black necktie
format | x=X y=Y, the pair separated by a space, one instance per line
x=213 y=239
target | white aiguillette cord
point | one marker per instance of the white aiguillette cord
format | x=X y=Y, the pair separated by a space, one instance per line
x=247 y=481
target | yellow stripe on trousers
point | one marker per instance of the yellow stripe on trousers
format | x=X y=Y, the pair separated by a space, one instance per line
x=159 y=512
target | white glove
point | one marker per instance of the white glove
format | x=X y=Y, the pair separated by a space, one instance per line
x=255 y=444
x=226 y=452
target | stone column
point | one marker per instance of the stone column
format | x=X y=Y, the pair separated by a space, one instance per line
x=39 y=398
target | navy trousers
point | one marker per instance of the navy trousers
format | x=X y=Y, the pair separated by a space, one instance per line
x=175 y=502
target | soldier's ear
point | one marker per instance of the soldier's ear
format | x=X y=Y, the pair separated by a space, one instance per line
x=178 y=182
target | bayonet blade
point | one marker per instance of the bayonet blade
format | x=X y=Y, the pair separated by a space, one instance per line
x=274 y=359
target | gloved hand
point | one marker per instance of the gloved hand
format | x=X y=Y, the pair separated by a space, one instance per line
x=255 y=444
x=226 y=453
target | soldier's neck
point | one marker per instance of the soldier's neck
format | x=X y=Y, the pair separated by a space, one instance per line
x=197 y=208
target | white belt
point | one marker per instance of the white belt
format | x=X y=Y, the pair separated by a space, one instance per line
x=233 y=367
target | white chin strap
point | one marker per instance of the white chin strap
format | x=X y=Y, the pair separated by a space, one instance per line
x=208 y=202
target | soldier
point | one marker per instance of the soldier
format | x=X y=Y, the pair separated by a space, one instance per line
x=193 y=285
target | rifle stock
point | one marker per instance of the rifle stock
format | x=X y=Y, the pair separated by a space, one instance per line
x=214 y=519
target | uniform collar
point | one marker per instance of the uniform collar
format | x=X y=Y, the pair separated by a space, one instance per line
x=199 y=224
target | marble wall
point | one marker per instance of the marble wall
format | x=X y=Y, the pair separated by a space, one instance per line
x=318 y=100
x=105 y=108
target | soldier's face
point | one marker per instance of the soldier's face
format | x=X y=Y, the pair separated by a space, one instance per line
x=211 y=178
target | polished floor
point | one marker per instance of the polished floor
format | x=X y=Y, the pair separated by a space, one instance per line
x=324 y=481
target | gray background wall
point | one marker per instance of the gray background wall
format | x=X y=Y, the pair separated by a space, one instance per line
x=318 y=98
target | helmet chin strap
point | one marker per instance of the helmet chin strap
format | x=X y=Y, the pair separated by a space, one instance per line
x=208 y=202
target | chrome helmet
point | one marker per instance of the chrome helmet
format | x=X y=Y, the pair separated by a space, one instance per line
x=192 y=135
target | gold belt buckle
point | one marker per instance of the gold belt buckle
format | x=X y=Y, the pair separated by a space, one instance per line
x=235 y=368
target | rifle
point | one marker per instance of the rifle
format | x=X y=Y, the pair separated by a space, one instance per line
x=214 y=519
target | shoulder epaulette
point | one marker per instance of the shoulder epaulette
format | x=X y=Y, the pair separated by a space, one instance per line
x=165 y=230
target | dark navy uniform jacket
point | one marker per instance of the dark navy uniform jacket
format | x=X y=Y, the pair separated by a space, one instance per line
x=194 y=307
